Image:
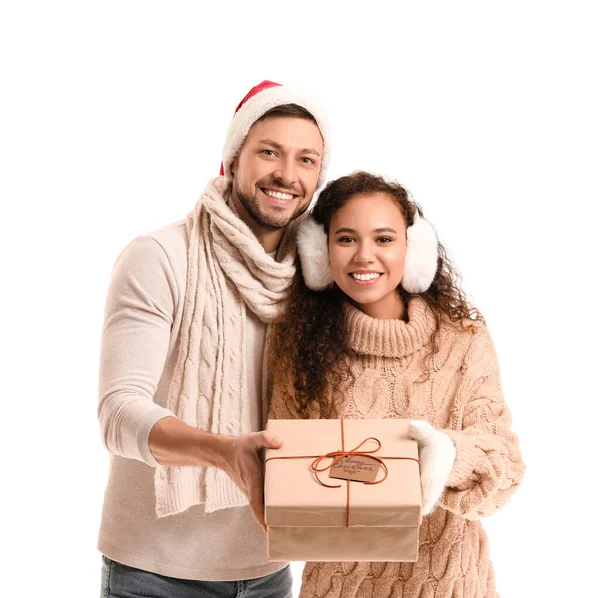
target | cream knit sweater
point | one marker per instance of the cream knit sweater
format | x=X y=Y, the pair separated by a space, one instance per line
x=141 y=340
x=458 y=391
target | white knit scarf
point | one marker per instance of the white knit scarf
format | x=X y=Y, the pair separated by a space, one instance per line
x=227 y=271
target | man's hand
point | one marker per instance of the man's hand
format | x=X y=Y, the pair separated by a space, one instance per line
x=176 y=444
x=244 y=465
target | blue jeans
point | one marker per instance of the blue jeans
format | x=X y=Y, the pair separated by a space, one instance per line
x=121 y=581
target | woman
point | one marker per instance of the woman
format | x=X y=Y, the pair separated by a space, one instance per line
x=377 y=326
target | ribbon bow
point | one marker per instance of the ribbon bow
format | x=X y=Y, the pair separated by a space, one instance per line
x=337 y=456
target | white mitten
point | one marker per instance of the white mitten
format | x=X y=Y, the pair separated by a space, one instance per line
x=436 y=454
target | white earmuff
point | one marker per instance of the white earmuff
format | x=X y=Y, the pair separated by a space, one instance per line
x=420 y=263
x=314 y=255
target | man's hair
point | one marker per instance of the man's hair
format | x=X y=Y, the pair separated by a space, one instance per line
x=292 y=110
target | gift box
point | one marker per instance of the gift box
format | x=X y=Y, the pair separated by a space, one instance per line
x=342 y=490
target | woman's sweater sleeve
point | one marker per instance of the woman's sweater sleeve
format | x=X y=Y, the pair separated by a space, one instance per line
x=138 y=317
x=488 y=466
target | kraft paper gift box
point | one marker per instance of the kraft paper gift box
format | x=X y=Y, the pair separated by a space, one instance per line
x=309 y=521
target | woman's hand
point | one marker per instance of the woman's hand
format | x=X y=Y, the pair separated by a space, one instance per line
x=436 y=455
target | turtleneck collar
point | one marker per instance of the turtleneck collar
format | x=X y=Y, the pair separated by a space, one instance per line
x=389 y=338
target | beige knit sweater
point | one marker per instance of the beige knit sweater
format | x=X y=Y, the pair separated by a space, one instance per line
x=458 y=391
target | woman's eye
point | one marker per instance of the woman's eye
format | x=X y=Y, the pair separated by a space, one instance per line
x=384 y=240
x=345 y=240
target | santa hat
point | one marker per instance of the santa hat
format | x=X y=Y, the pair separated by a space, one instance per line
x=261 y=99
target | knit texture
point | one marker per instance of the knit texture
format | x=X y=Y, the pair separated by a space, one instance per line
x=141 y=338
x=227 y=272
x=393 y=374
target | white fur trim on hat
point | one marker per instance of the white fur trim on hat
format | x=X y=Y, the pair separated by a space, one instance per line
x=263 y=101
x=311 y=240
x=420 y=263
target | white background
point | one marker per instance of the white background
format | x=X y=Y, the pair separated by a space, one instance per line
x=112 y=120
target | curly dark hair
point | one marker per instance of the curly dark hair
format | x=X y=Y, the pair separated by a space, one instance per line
x=308 y=339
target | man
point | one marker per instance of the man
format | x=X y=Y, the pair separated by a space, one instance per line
x=181 y=366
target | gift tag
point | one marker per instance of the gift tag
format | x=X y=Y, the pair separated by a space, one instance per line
x=356 y=468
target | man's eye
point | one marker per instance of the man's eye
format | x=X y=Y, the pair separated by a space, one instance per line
x=268 y=152
x=307 y=160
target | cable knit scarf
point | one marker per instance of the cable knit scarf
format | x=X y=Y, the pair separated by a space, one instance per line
x=228 y=271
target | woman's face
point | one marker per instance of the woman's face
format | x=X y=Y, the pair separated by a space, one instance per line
x=367 y=246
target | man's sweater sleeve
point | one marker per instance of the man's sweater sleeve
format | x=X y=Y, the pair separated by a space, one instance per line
x=140 y=307
x=488 y=467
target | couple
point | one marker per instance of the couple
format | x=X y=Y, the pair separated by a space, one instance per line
x=215 y=323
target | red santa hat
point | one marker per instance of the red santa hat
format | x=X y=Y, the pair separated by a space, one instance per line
x=261 y=99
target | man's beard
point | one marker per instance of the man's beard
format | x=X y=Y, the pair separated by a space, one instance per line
x=271 y=222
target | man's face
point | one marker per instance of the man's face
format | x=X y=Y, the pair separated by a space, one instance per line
x=275 y=174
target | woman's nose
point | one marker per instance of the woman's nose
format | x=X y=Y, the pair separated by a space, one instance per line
x=364 y=254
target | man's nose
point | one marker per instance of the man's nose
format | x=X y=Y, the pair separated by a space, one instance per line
x=287 y=172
